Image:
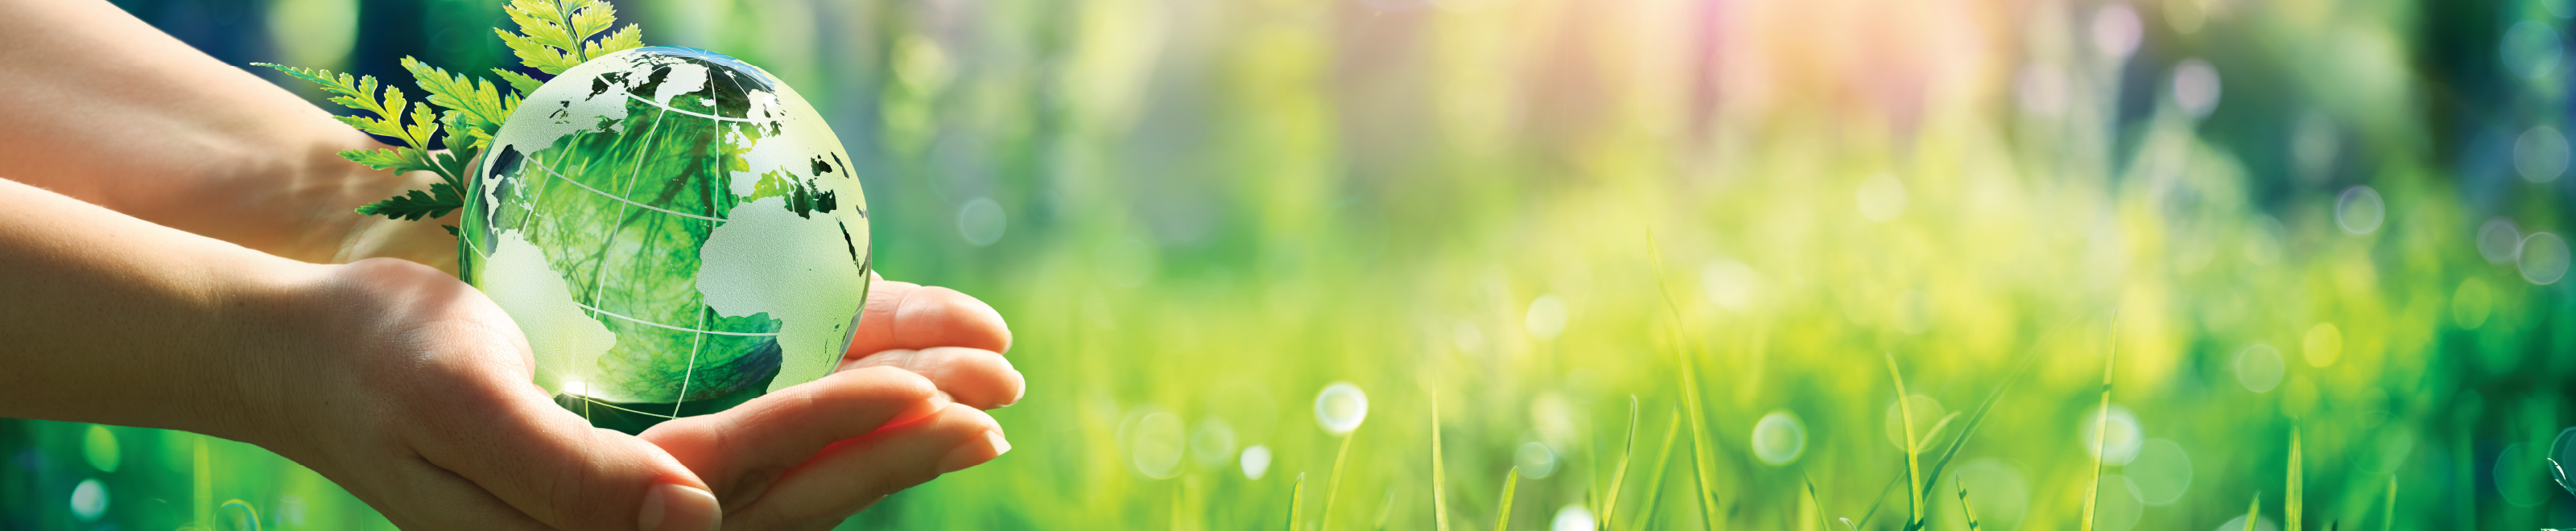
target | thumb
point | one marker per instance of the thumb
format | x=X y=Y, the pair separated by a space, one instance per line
x=552 y=465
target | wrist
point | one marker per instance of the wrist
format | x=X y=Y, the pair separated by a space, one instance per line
x=276 y=329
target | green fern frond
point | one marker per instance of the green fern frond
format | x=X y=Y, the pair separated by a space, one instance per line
x=398 y=159
x=624 y=38
x=476 y=108
x=414 y=205
x=519 y=83
x=552 y=34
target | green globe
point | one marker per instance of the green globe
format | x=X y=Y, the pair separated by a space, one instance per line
x=675 y=231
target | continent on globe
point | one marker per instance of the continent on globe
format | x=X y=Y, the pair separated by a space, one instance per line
x=675 y=231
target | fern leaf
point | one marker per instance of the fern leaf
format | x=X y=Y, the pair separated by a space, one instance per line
x=398 y=159
x=414 y=205
x=591 y=18
x=537 y=55
x=625 y=38
x=519 y=83
x=476 y=97
x=542 y=21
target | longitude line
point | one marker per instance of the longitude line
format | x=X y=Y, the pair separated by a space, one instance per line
x=700 y=339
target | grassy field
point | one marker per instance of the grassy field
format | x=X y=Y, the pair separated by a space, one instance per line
x=1664 y=264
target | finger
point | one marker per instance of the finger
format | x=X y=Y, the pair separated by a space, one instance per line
x=741 y=450
x=973 y=377
x=903 y=315
x=511 y=440
x=854 y=474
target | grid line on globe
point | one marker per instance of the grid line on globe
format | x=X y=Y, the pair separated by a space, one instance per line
x=772 y=274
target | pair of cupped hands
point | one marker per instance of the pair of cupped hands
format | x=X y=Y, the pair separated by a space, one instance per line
x=424 y=408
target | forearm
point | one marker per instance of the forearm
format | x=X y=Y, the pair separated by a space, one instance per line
x=111 y=319
x=104 y=108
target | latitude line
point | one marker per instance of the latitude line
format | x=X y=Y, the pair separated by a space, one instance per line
x=691 y=113
x=586 y=401
x=551 y=171
x=683 y=329
x=599 y=274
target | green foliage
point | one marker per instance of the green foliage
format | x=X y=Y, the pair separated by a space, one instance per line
x=1969 y=511
x=1610 y=504
x=1297 y=504
x=467 y=110
x=1655 y=482
x=1503 y=515
x=2254 y=512
x=416 y=204
x=554 y=36
x=2102 y=433
x=2292 y=501
x=475 y=108
x=1914 y=497
x=1439 y=469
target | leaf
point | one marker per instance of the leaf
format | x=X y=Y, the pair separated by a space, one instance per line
x=1610 y=504
x=1964 y=508
x=2293 y=501
x=1439 y=502
x=415 y=204
x=520 y=83
x=398 y=159
x=591 y=18
x=1297 y=503
x=476 y=108
x=1503 y=518
x=1915 y=496
x=625 y=38
x=548 y=59
x=2254 y=511
x=2102 y=428
x=552 y=39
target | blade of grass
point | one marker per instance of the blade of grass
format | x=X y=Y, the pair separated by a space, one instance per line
x=1610 y=504
x=1913 y=459
x=1439 y=502
x=1655 y=483
x=1503 y=516
x=2390 y=520
x=1975 y=419
x=2291 y=503
x=1701 y=458
x=1969 y=511
x=1333 y=488
x=2102 y=426
x=1813 y=501
x=1297 y=504
x=2254 y=512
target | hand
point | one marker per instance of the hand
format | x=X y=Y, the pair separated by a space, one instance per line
x=904 y=407
x=414 y=394
x=412 y=391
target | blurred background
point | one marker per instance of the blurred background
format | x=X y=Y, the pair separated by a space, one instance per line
x=2339 y=219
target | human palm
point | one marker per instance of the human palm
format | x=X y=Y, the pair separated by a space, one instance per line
x=422 y=406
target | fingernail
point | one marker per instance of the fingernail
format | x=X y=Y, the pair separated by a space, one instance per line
x=676 y=507
x=1023 y=393
x=971 y=454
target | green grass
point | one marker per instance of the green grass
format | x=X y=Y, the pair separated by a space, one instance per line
x=2254 y=512
x=1439 y=471
x=2293 y=501
x=2102 y=433
x=1619 y=477
x=1214 y=212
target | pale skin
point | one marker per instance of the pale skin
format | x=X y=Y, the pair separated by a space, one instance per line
x=177 y=251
